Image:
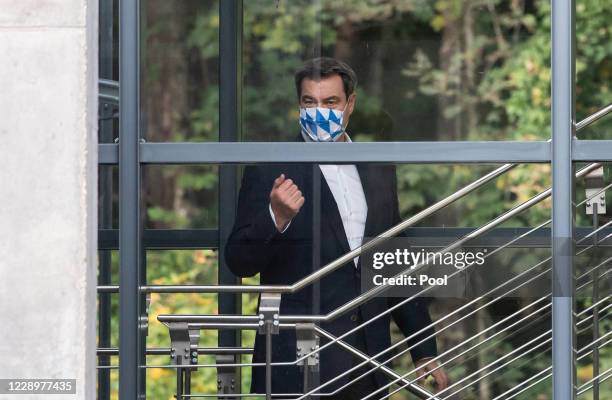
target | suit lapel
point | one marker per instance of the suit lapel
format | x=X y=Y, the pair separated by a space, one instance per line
x=366 y=176
x=329 y=209
x=367 y=184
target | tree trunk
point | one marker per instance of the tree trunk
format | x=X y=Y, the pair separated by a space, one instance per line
x=165 y=89
x=448 y=128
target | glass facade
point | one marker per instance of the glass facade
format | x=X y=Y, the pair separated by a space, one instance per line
x=449 y=122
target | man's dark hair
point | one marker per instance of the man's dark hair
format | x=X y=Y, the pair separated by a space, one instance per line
x=323 y=67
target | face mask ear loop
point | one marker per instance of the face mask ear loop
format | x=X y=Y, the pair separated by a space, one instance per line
x=343 y=111
x=345 y=106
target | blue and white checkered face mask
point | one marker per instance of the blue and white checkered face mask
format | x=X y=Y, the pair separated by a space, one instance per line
x=322 y=124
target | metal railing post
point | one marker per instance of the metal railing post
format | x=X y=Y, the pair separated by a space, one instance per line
x=230 y=122
x=269 y=309
x=563 y=130
x=594 y=190
x=130 y=339
x=595 y=308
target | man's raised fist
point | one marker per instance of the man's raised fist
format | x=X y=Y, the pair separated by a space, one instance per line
x=286 y=200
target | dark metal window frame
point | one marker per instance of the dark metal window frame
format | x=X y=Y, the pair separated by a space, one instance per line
x=131 y=153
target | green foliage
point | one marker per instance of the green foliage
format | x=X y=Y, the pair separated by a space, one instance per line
x=179 y=268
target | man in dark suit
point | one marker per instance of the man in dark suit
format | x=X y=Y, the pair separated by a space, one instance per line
x=278 y=228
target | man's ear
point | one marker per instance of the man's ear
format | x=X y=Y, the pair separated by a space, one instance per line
x=351 y=102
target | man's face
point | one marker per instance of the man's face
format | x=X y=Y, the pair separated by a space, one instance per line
x=327 y=92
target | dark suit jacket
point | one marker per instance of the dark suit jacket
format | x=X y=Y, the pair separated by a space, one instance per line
x=255 y=246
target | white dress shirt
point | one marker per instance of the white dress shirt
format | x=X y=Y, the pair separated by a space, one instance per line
x=345 y=185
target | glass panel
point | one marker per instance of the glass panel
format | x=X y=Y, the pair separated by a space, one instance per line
x=180 y=68
x=426 y=70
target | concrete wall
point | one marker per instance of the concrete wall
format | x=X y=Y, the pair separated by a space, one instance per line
x=48 y=189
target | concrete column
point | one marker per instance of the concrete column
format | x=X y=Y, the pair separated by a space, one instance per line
x=48 y=191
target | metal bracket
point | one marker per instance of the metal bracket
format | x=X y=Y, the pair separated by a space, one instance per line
x=144 y=319
x=107 y=111
x=594 y=183
x=226 y=375
x=184 y=344
x=307 y=341
x=269 y=306
x=194 y=341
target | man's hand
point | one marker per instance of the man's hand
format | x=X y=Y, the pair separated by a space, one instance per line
x=424 y=368
x=286 y=200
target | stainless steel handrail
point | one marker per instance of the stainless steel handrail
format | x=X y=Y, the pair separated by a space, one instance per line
x=519 y=385
x=153 y=351
x=594 y=117
x=589 y=346
x=582 y=350
x=379 y=290
x=602 y=377
x=496 y=288
x=492 y=290
x=411 y=386
x=450 y=350
x=412 y=270
x=507 y=244
x=354 y=351
x=244 y=364
x=499 y=397
x=108 y=91
x=288 y=363
x=505 y=356
x=446 y=352
x=491 y=327
x=478 y=344
x=534 y=200
x=505 y=364
x=457 y=346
